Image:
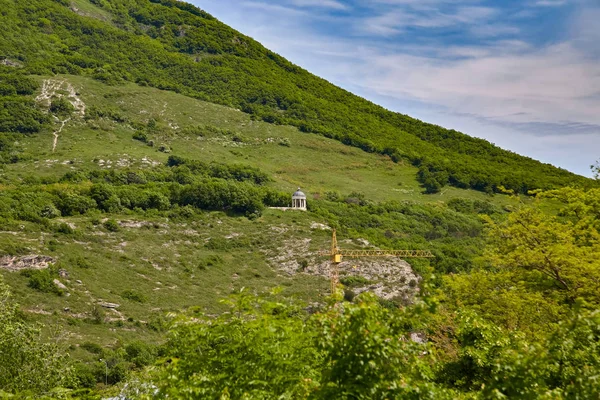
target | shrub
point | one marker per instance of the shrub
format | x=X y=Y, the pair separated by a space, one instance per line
x=61 y=106
x=65 y=228
x=81 y=262
x=140 y=353
x=85 y=376
x=72 y=203
x=92 y=347
x=102 y=193
x=133 y=295
x=50 y=211
x=354 y=280
x=28 y=360
x=210 y=261
x=97 y=315
x=303 y=264
x=349 y=295
x=42 y=280
x=141 y=136
x=111 y=225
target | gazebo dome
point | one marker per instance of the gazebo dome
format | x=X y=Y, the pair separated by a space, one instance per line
x=299 y=194
x=299 y=200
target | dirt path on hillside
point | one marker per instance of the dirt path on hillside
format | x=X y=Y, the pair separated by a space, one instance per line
x=57 y=132
x=52 y=89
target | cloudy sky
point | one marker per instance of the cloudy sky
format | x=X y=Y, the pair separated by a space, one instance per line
x=523 y=74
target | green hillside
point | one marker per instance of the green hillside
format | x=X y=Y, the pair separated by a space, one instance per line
x=112 y=196
x=173 y=46
x=143 y=145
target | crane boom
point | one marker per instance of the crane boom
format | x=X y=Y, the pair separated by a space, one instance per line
x=380 y=253
x=337 y=254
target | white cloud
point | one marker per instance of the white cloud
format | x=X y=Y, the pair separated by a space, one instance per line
x=333 y=4
x=551 y=85
x=272 y=8
x=397 y=20
x=550 y=3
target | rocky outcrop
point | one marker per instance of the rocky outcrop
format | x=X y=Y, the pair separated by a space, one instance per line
x=17 y=263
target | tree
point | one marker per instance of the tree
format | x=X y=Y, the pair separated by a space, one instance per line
x=26 y=362
x=596 y=170
x=61 y=107
x=557 y=253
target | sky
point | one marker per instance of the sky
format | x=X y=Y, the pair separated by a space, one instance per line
x=523 y=74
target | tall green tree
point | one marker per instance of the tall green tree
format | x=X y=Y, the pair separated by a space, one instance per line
x=556 y=254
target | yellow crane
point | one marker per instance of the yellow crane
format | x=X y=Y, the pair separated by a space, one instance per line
x=337 y=255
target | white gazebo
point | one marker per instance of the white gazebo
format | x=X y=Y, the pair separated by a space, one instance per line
x=299 y=200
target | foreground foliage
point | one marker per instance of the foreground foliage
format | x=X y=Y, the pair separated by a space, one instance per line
x=523 y=325
x=264 y=350
x=27 y=364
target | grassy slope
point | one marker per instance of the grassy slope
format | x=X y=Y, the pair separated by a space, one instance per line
x=315 y=163
x=160 y=260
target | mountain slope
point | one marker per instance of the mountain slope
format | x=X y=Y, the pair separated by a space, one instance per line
x=99 y=207
x=174 y=46
x=133 y=185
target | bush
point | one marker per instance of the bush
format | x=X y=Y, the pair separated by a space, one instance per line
x=133 y=295
x=28 y=360
x=97 y=315
x=50 y=211
x=42 y=280
x=61 y=107
x=349 y=295
x=303 y=264
x=210 y=261
x=85 y=376
x=111 y=225
x=81 y=262
x=140 y=353
x=102 y=194
x=354 y=280
x=70 y=203
x=141 y=136
x=22 y=116
x=92 y=347
x=65 y=228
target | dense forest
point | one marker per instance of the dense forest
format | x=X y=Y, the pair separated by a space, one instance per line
x=174 y=46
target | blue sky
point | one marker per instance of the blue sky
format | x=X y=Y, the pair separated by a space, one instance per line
x=524 y=75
